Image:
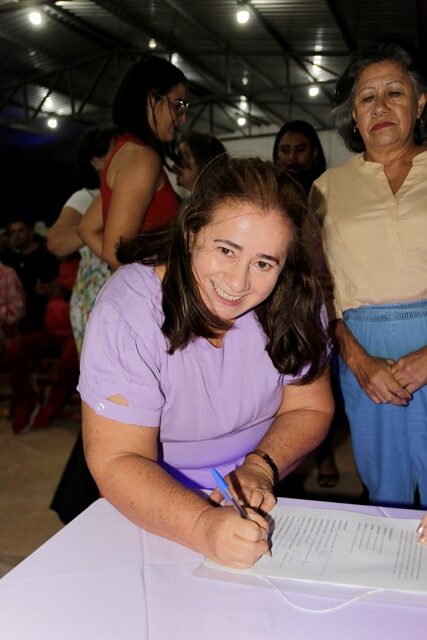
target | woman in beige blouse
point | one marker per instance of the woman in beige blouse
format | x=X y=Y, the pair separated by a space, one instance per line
x=374 y=215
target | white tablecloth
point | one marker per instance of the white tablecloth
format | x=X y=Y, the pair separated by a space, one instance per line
x=103 y=578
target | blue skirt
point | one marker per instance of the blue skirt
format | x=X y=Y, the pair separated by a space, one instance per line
x=389 y=442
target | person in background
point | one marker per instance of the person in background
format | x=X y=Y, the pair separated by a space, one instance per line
x=195 y=151
x=136 y=194
x=208 y=349
x=375 y=229
x=34 y=264
x=55 y=340
x=63 y=238
x=8 y=256
x=12 y=305
x=77 y=489
x=298 y=149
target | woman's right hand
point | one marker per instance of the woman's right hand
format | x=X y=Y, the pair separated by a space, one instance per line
x=377 y=381
x=223 y=536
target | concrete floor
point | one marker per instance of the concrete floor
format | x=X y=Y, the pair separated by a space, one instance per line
x=31 y=465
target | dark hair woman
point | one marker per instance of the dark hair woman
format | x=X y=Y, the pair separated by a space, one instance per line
x=208 y=350
x=297 y=147
x=150 y=103
x=64 y=239
x=76 y=489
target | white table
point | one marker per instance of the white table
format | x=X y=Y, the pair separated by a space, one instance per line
x=103 y=578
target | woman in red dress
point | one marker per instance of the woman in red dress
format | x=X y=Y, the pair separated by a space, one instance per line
x=135 y=190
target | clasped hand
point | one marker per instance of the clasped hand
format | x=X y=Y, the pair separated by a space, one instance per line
x=393 y=382
x=410 y=371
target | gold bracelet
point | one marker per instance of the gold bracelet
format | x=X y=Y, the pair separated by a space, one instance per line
x=269 y=460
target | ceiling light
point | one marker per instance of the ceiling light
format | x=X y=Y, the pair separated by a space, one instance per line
x=152 y=44
x=313 y=91
x=174 y=58
x=52 y=123
x=35 y=17
x=241 y=121
x=48 y=103
x=245 y=79
x=316 y=69
x=242 y=16
x=243 y=104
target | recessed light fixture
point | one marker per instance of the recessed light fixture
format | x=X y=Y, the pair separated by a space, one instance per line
x=52 y=123
x=35 y=17
x=152 y=44
x=245 y=79
x=242 y=16
x=241 y=121
x=313 y=91
x=174 y=58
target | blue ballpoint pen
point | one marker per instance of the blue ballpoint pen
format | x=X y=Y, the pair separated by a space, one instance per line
x=225 y=492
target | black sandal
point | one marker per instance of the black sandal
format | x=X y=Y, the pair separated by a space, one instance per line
x=328 y=479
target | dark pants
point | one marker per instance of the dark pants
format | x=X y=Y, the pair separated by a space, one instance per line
x=76 y=489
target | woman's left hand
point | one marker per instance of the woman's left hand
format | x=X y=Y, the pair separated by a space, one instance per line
x=250 y=484
x=410 y=371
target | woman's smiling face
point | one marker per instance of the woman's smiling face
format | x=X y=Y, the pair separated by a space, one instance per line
x=237 y=258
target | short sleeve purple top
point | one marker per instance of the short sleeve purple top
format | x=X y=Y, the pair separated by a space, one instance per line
x=212 y=405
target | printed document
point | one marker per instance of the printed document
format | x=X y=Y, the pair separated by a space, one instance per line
x=344 y=548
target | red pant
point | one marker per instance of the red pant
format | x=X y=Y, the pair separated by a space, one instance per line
x=42 y=344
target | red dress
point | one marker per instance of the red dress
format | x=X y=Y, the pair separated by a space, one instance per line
x=162 y=208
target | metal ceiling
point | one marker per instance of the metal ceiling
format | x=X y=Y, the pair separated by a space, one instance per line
x=69 y=66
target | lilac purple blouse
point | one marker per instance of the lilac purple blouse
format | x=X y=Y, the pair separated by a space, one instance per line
x=212 y=405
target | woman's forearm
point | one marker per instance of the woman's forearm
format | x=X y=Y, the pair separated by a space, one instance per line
x=63 y=238
x=292 y=437
x=349 y=348
x=123 y=460
x=128 y=475
x=146 y=494
x=63 y=241
x=92 y=238
x=108 y=254
x=91 y=227
x=141 y=490
x=300 y=427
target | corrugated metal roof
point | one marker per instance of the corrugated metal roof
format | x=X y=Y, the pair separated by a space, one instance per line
x=82 y=48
